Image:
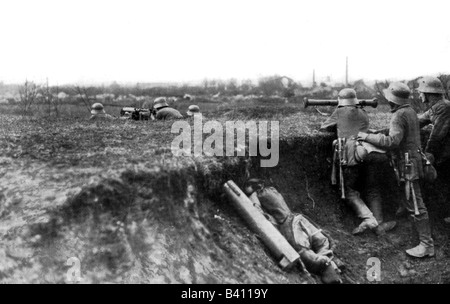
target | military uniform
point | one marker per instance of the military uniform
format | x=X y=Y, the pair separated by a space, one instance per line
x=168 y=113
x=312 y=245
x=98 y=112
x=163 y=111
x=438 y=143
x=349 y=119
x=404 y=137
x=438 y=115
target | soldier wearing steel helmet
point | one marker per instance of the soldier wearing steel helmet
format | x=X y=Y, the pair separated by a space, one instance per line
x=163 y=111
x=403 y=140
x=349 y=119
x=313 y=245
x=192 y=110
x=432 y=94
x=98 y=112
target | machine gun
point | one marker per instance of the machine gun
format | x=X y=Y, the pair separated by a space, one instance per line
x=334 y=102
x=135 y=113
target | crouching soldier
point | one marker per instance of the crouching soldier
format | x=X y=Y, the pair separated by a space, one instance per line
x=348 y=119
x=404 y=141
x=162 y=111
x=312 y=245
x=193 y=110
x=98 y=112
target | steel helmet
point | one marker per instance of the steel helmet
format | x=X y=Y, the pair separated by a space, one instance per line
x=347 y=97
x=430 y=84
x=159 y=103
x=398 y=93
x=193 y=109
x=97 y=108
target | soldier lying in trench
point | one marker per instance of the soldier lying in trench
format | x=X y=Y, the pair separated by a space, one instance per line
x=312 y=245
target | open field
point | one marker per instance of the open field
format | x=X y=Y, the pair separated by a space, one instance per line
x=112 y=195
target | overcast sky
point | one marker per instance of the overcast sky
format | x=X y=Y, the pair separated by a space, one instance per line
x=72 y=41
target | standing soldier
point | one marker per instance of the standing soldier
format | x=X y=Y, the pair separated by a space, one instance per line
x=404 y=140
x=438 y=114
x=349 y=119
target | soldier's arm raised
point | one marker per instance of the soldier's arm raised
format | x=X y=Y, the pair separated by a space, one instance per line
x=424 y=119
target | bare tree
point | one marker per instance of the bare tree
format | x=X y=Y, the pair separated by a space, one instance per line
x=28 y=95
x=56 y=102
x=49 y=99
x=83 y=94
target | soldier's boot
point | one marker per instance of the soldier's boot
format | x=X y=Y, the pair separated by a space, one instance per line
x=330 y=275
x=383 y=227
x=321 y=266
x=366 y=224
x=313 y=262
x=364 y=213
x=375 y=206
x=426 y=245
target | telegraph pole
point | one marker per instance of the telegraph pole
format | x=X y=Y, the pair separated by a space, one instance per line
x=346 y=71
x=314 y=79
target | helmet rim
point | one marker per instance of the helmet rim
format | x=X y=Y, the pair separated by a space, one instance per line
x=397 y=93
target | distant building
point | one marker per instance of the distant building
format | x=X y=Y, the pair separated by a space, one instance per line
x=62 y=95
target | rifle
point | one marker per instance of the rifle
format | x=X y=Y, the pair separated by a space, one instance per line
x=342 y=162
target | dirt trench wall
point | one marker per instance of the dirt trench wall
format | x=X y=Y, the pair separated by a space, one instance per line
x=170 y=225
x=157 y=226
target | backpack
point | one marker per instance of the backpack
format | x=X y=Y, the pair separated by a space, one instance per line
x=356 y=151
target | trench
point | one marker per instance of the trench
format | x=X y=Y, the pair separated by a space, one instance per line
x=176 y=226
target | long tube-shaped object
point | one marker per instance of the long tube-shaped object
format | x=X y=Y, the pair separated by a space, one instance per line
x=271 y=237
x=334 y=102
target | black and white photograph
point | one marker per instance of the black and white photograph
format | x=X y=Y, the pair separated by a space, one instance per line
x=225 y=147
